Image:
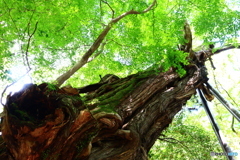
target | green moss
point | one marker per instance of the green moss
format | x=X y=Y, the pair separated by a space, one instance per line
x=76 y=98
x=23 y=115
x=117 y=93
x=52 y=87
x=19 y=114
x=45 y=154
x=112 y=94
x=104 y=108
x=146 y=74
x=122 y=91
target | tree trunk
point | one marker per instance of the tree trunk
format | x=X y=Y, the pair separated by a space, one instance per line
x=116 y=119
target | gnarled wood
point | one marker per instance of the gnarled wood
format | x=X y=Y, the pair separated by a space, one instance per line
x=119 y=120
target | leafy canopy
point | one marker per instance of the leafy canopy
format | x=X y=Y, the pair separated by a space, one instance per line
x=53 y=35
x=186 y=137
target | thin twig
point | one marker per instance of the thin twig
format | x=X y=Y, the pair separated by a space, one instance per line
x=25 y=57
x=12 y=18
x=66 y=49
x=100 y=6
x=232 y=125
x=226 y=48
x=211 y=61
x=215 y=80
x=177 y=141
x=112 y=40
x=113 y=12
x=154 y=4
x=227 y=93
x=28 y=44
x=28 y=24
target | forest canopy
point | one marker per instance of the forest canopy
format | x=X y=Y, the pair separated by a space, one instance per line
x=48 y=37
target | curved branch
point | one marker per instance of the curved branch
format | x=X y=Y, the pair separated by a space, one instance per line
x=203 y=55
x=61 y=79
x=150 y=7
x=226 y=48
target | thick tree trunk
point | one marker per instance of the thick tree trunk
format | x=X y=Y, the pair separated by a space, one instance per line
x=116 y=119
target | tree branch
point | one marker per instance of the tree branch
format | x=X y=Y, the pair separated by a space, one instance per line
x=98 y=53
x=171 y=140
x=60 y=80
x=226 y=48
x=187 y=46
x=9 y=10
x=109 y=7
x=204 y=54
x=28 y=43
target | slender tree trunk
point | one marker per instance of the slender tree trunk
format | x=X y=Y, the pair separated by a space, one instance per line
x=116 y=119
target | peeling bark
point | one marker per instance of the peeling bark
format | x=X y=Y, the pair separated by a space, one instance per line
x=120 y=119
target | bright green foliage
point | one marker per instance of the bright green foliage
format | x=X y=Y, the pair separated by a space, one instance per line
x=183 y=140
x=229 y=87
x=64 y=30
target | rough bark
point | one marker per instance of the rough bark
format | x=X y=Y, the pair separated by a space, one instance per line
x=119 y=119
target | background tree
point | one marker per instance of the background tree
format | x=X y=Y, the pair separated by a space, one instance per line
x=185 y=139
x=122 y=118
